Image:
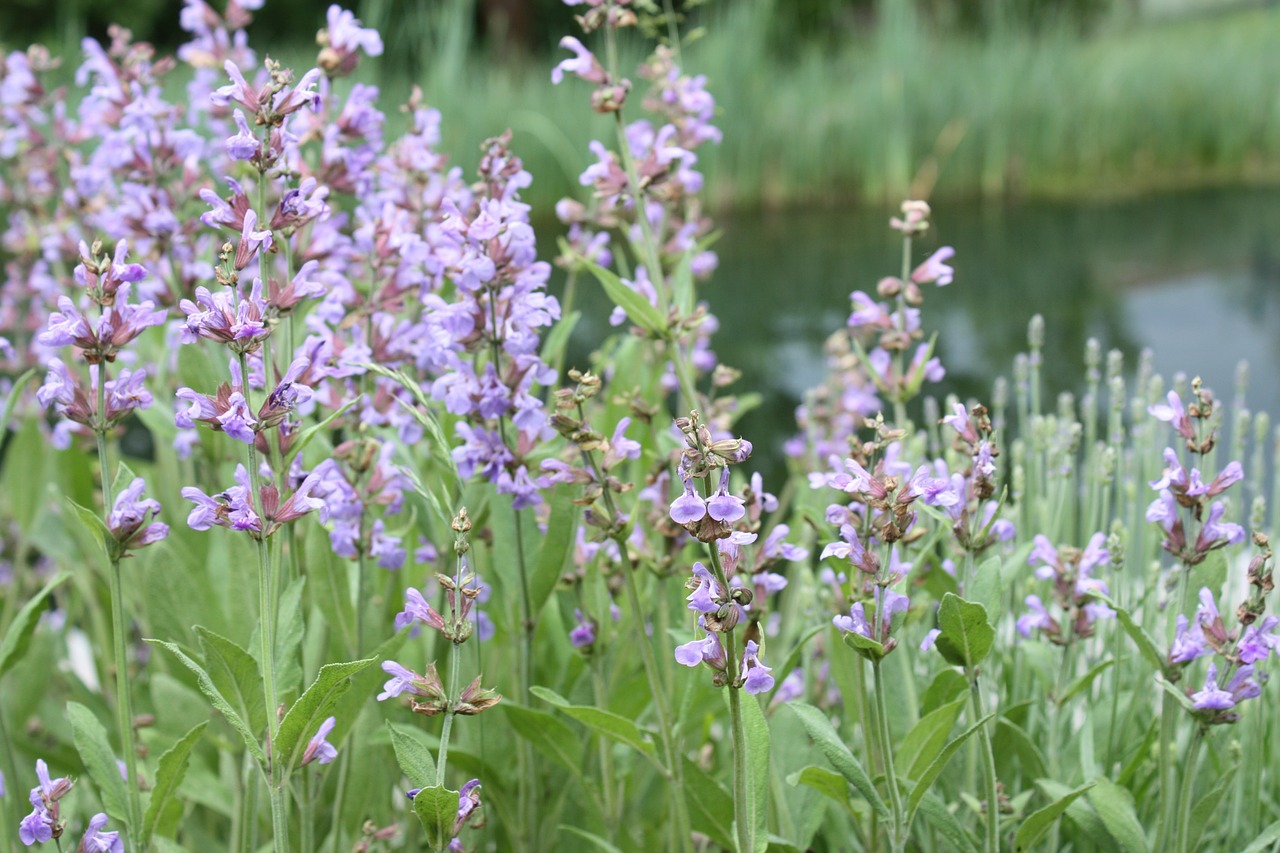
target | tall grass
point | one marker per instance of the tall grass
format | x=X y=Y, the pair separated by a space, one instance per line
x=1145 y=106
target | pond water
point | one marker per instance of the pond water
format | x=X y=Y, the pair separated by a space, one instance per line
x=1195 y=277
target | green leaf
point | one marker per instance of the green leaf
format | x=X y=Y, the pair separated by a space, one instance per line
x=945 y=687
x=989 y=585
x=597 y=841
x=638 y=308
x=756 y=732
x=15 y=394
x=1036 y=824
x=170 y=772
x=710 y=806
x=611 y=725
x=927 y=738
x=92 y=522
x=1207 y=809
x=827 y=782
x=934 y=770
x=1146 y=645
x=937 y=815
x=289 y=632
x=236 y=675
x=437 y=808
x=548 y=734
x=1115 y=806
x=1177 y=693
x=966 y=637
x=304 y=718
x=557 y=544
x=17 y=638
x=828 y=741
x=865 y=646
x=412 y=755
x=1265 y=841
x=211 y=692
x=95 y=751
x=1082 y=683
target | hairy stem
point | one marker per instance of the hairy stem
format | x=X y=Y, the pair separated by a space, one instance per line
x=992 y=837
x=885 y=738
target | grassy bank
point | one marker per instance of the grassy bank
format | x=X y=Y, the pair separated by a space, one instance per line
x=1146 y=106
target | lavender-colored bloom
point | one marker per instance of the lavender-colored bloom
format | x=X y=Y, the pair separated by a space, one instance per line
x=723 y=506
x=1258 y=640
x=1173 y=474
x=1038 y=617
x=583 y=63
x=929 y=639
x=704 y=598
x=935 y=269
x=417 y=608
x=689 y=507
x=1212 y=697
x=37 y=827
x=128 y=518
x=244 y=145
x=755 y=676
x=1175 y=414
x=402 y=681
x=706 y=650
x=961 y=424
x=1243 y=685
x=855 y=622
x=97 y=841
x=318 y=748
x=1163 y=510
x=584 y=634
x=1227 y=477
x=346 y=36
x=850 y=549
x=1216 y=533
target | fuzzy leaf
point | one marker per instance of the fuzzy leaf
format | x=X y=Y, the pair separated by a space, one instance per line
x=169 y=775
x=1207 y=809
x=937 y=815
x=1144 y=641
x=602 y=722
x=413 y=757
x=15 y=394
x=1115 y=806
x=827 y=782
x=756 y=731
x=710 y=806
x=95 y=751
x=927 y=738
x=1036 y=824
x=437 y=808
x=966 y=637
x=548 y=734
x=934 y=770
x=235 y=673
x=17 y=639
x=302 y=721
x=828 y=741
x=220 y=703
x=1082 y=683
x=638 y=308
x=557 y=544
x=865 y=646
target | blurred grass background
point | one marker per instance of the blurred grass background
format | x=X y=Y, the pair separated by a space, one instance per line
x=831 y=102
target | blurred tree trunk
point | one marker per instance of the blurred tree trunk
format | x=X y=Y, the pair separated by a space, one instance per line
x=508 y=26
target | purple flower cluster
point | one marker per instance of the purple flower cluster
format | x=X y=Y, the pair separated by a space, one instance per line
x=1182 y=500
x=44 y=822
x=1075 y=590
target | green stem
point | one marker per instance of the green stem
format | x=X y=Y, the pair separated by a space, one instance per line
x=666 y=724
x=1188 y=788
x=988 y=767
x=742 y=820
x=442 y=757
x=896 y=834
x=307 y=831
x=1168 y=735
x=120 y=645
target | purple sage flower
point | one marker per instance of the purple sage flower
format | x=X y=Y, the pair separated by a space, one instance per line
x=97 y=841
x=318 y=749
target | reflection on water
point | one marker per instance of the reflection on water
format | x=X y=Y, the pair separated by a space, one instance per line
x=1196 y=277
